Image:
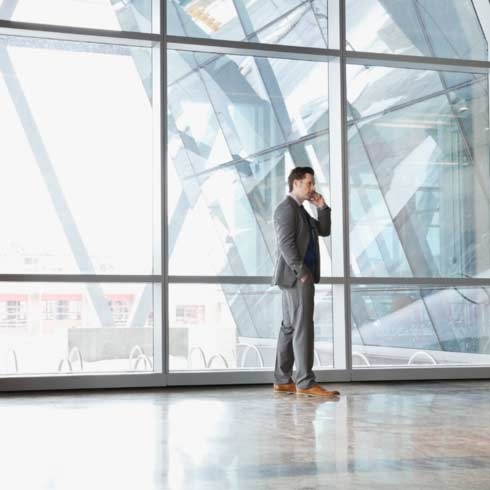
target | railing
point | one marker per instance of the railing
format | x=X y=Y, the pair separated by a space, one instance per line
x=361 y=356
x=148 y=364
x=423 y=354
x=189 y=356
x=318 y=363
x=68 y=360
x=64 y=361
x=76 y=351
x=217 y=356
x=136 y=356
x=247 y=349
x=14 y=356
x=207 y=363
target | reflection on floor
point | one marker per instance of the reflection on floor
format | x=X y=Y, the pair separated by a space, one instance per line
x=431 y=435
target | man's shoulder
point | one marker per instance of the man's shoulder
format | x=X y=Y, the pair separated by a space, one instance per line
x=287 y=210
x=286 y=204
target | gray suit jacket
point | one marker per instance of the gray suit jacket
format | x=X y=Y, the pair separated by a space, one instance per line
x=292 y=236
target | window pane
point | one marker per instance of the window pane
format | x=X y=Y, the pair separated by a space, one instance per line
x=435 y=28
x=237 y=126
x=133 y=15
x=54 y=328
x=232 y=326
x=406 y=326
x=419 y=173
x=292 y=22
x=77 y=169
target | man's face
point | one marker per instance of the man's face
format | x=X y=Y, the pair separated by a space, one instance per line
x=304 y=188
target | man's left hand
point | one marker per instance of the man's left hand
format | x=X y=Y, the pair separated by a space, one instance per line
x=317 y=200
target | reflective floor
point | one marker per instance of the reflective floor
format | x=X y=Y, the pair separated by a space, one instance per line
x=386 y=435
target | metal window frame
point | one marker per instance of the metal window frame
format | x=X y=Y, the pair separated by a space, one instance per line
x=159 y=39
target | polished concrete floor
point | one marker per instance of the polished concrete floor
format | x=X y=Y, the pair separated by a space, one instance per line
x=432 y=435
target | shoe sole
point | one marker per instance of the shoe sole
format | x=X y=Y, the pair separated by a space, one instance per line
x=333 y=395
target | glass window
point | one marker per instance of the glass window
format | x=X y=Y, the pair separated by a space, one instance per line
x=435 y=28
x=228 y=326
x=237 y=125
x=292 y=22
x=408 y=326
x=53 y=328
x=77 y=168
x=132 y=15
x=418 y=151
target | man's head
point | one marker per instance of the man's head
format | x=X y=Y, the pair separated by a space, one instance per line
x=301 y=182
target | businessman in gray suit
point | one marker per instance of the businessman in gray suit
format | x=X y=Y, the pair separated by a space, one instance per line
x=296 y=271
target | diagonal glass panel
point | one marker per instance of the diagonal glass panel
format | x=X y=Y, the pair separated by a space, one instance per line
x=374 y=243
x=220 y=110
x=132 y=15
x=53 y=328
x=425 y=160
x=236 y=126
x=232 y=326
x=435 y=28
x=232 y=215
x=66 y=173
x=292 y=22
x=377 y=89
x=408 y=326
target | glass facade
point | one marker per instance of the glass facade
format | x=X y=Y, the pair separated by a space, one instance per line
x=231 y=326
x=435 y=28
x=419 y=172
x=75 y=328
x=66 y=175
x=132 y=15
x=410 y=327
x=146 y=144
x=291 y=22
x=237 y=125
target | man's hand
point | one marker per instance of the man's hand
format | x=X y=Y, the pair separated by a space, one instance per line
x=317 y=200
x=306 y=278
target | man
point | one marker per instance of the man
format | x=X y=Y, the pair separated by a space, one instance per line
x=296 y=272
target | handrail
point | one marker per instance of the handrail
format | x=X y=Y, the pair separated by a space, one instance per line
x=145 y=359
x=317 y=358
x=245 y=352
x=217 y=356
x=421 y=353
x=76 y=351
x=135 y=352
x=62 y=363
x=362 y=356
x=203 y=356
x=14 y=355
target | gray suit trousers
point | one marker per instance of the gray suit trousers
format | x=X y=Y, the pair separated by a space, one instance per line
x=295 y=343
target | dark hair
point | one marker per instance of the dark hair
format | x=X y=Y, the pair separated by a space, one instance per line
x=299 y=173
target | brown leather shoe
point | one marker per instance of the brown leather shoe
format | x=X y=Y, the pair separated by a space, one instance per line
x=317 y=390
x=285 y=388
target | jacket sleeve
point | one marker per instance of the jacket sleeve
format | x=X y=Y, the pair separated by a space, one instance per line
x=285 y=226
x=324 y=222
